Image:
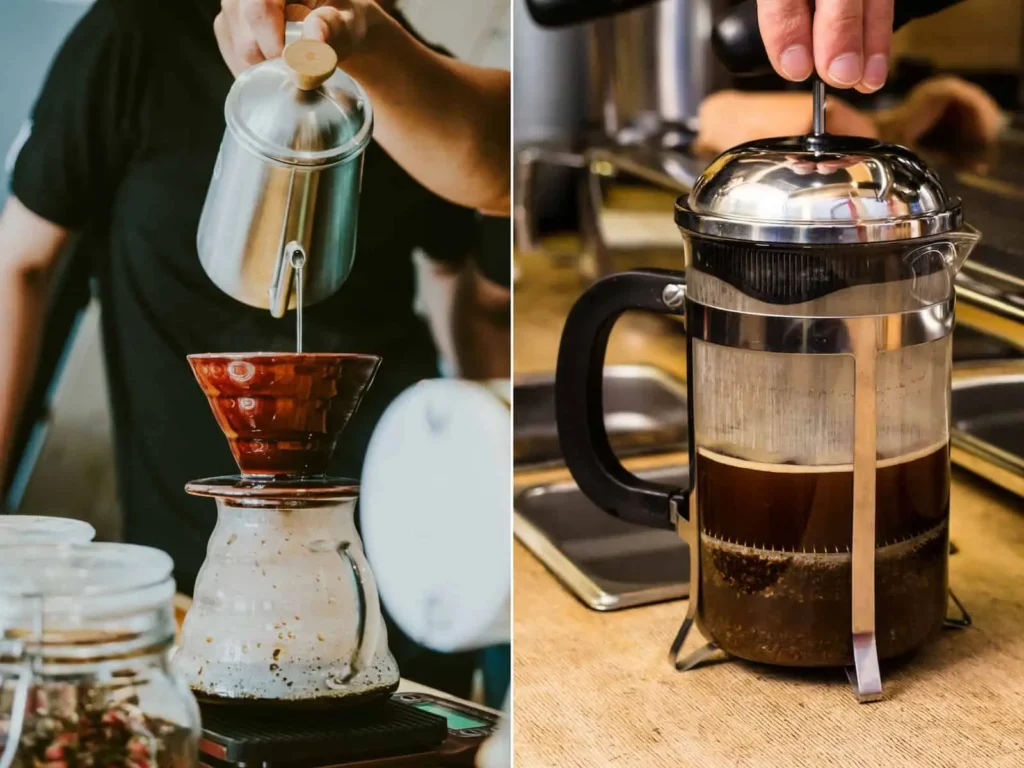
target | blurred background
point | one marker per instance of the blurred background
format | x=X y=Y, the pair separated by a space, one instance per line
x=63 y=453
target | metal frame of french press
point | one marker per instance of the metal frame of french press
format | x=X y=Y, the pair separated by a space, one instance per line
x=863 y=338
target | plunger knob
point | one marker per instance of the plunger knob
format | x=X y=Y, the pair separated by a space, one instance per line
x=311 y=62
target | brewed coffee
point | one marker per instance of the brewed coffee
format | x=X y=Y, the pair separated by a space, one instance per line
x=775 y=556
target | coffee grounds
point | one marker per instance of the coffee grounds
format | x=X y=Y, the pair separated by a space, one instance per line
x=795 y=608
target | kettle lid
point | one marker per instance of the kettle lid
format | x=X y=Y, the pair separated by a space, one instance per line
x=280 y=112
x=818 y=189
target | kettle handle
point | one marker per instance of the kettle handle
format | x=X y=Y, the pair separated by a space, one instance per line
x=579 y=407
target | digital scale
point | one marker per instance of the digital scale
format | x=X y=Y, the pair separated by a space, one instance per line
x=411 y=729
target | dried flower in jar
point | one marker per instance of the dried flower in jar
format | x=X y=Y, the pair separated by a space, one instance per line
x=96 y=732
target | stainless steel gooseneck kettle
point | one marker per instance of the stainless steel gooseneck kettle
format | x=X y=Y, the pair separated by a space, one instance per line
x=285 y=187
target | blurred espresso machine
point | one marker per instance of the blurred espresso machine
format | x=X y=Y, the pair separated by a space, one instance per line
x=647 y=66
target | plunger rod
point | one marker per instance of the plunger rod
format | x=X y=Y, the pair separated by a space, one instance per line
x=819 y=106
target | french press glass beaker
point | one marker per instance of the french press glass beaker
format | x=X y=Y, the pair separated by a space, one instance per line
x=818 y=297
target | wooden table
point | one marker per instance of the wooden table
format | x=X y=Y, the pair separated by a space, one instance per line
x=596 y=689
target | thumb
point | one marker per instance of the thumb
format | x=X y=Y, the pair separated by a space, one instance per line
x=341 y=28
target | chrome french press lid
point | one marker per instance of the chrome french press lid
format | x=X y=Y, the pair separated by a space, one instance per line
x=300 y=109
x=818 y=190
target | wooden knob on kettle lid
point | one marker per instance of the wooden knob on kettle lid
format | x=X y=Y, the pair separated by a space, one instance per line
x=311 y=62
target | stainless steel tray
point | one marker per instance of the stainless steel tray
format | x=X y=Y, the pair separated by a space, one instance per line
x=645 y=413
x=606 y=563
x=992 y=279
x=970 y=344
x=987 y=437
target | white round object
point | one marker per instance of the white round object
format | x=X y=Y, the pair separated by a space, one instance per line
x=436 y=492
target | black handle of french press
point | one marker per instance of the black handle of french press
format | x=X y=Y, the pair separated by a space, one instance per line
x=736 y=37
x=579 y=406
x=560 y=13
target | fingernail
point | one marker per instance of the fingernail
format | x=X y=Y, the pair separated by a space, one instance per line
x=796 y=62
x=875 y=71
x=846 y=69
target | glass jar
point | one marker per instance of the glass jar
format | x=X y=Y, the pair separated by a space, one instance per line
x=40 y=529
x=85 y=679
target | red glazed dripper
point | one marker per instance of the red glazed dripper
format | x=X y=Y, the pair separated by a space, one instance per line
x=282 y=413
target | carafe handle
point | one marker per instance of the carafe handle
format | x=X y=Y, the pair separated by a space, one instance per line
x=369 y=610
x=579 y=407
x=23 y=675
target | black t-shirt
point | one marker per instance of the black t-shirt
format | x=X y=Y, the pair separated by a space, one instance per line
x=123 y=142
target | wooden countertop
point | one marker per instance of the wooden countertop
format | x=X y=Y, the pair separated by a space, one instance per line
x=596 y=689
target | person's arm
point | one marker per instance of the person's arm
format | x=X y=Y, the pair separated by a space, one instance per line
x=447 y=123
x=482 y=326
x=481 y=311
x=65 y=176
x=29 y=248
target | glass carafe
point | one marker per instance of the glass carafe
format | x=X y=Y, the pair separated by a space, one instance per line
x=818 y=297
x=286 y=610
x=85 y=637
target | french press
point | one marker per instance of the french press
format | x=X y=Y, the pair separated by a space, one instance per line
x=281 y=211
x=818 y=300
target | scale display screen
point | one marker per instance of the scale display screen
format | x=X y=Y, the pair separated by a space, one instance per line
x=457 y=721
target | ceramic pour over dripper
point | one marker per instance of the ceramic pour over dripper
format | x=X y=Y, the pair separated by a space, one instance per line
x=282 y=413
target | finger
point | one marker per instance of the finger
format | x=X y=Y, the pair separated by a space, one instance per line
x=295 y=10
x=786 y=30
x=839 y=41
x=224 y=28
x=243 y=41
x=220 y=31
x=341 y=28
x=877 y=41
x=264 y=20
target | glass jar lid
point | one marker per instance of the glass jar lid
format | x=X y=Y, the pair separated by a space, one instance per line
x=40 y=529
x=279 y=117
x=818 y=189
x=84 y=592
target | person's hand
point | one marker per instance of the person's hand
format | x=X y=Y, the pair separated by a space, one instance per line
x=251 y=31
x=728 y=118
x=945 y=111
x=848 y=45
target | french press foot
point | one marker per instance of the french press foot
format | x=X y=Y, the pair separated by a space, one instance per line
x=865 y=676
x=697 y=657
x=957 y=622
